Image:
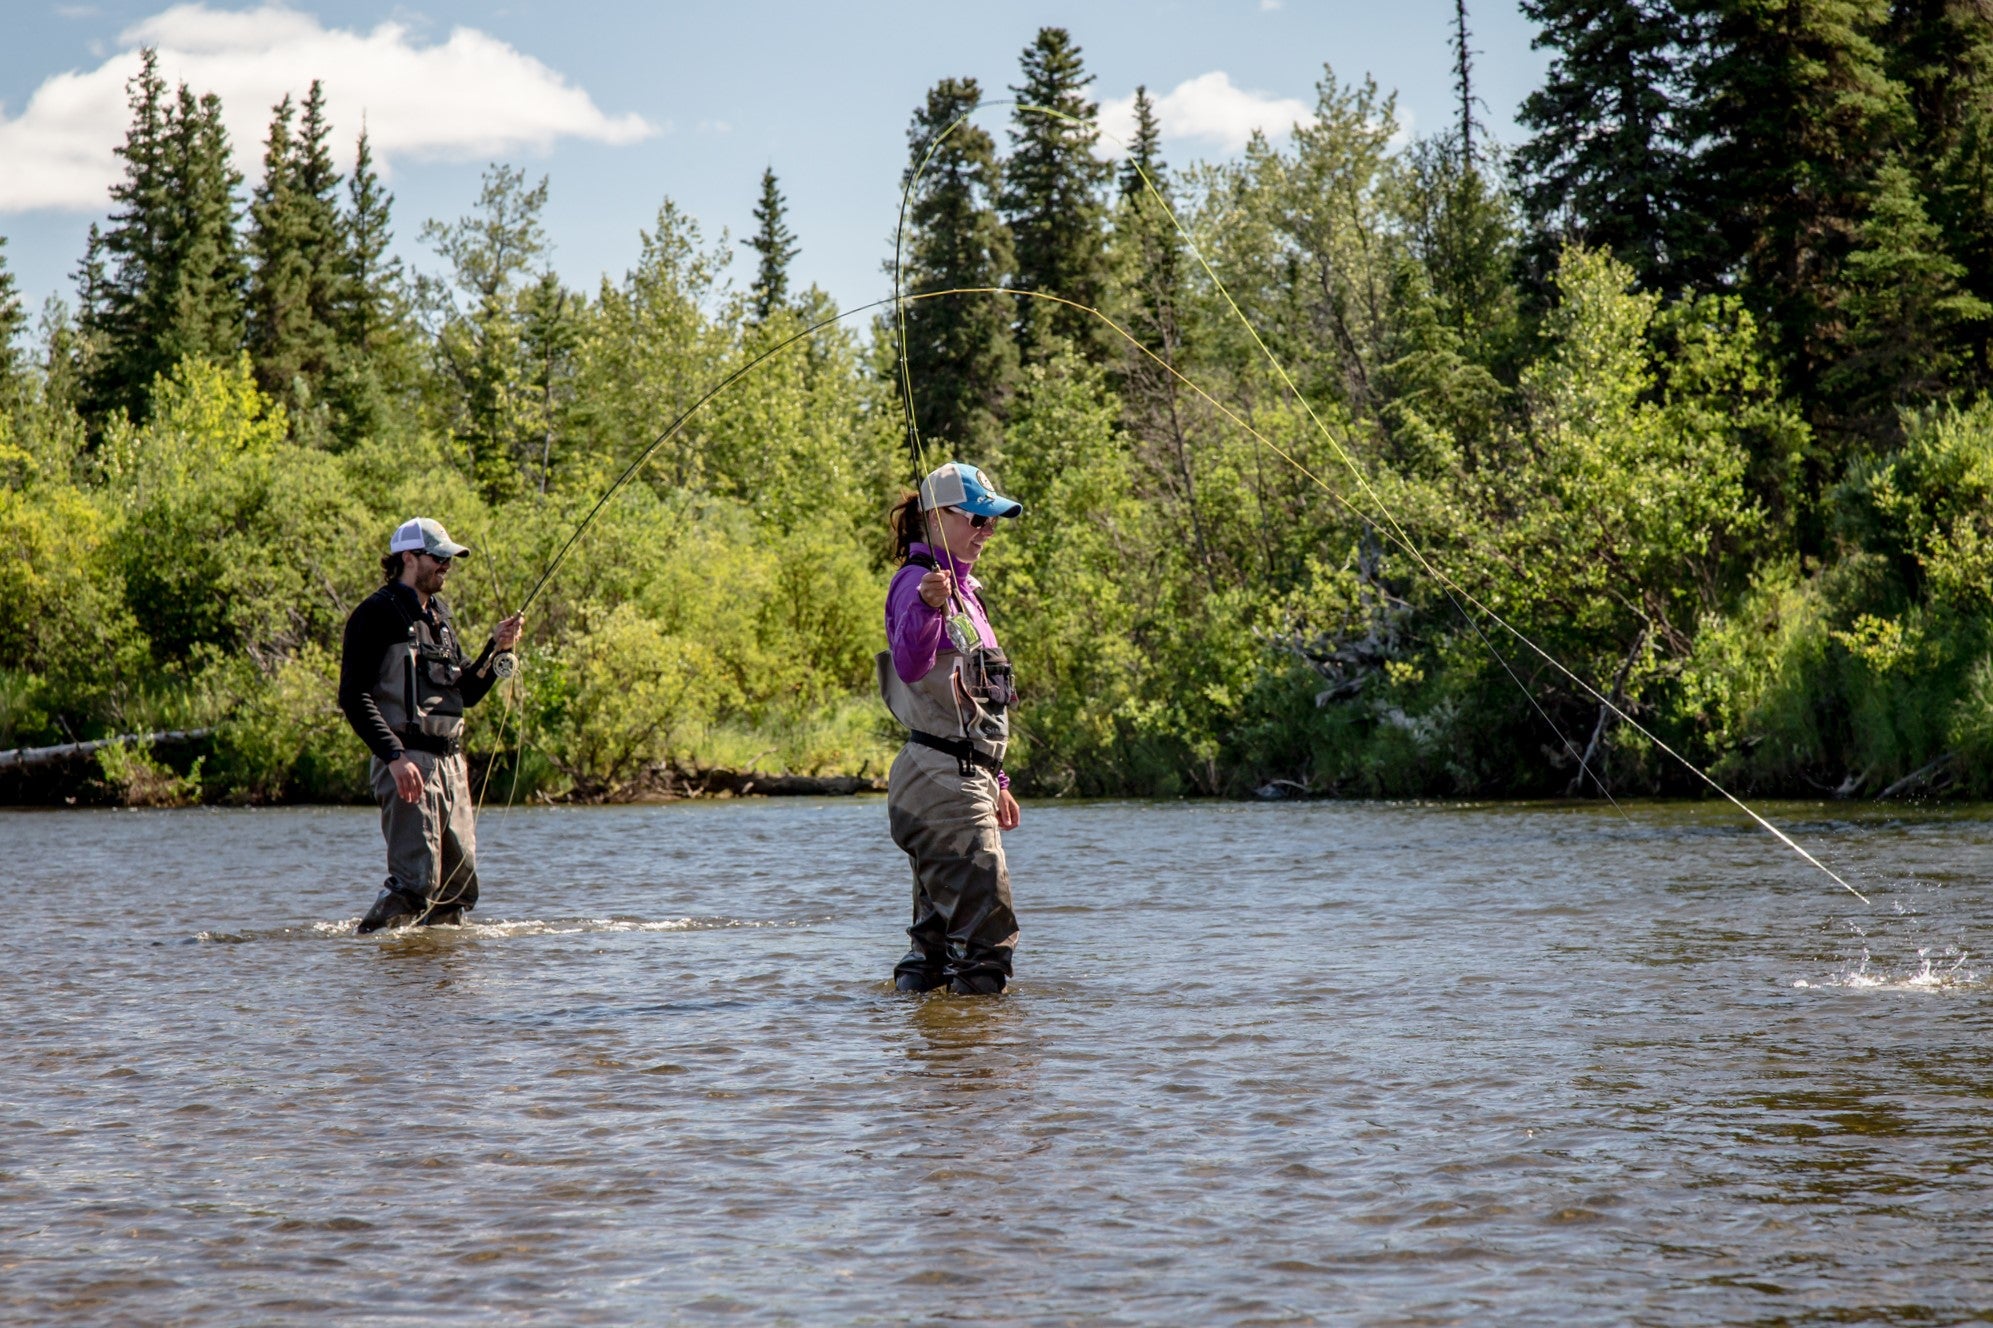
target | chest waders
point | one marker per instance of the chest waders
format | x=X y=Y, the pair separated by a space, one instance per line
x=432 y=842
x=941 y=800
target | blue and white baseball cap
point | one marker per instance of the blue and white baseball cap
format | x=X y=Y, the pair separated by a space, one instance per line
x=959 y=484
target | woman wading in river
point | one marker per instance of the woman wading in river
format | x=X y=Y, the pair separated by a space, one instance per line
x=944 y=677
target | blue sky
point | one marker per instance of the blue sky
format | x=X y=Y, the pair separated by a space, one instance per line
x=625 y=104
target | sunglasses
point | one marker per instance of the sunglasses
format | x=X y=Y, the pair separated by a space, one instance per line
x=975 y=522
x=438 y=558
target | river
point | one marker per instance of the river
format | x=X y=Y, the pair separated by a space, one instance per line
x=1262 y=1064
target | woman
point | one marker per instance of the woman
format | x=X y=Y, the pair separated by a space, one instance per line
x=944 y=677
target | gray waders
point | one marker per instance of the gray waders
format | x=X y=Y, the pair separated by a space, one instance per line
x=942 y=806
x=432 y=842
x=432 y=845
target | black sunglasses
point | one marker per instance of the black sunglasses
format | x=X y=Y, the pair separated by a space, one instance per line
x=442 y=558
x=976 y=522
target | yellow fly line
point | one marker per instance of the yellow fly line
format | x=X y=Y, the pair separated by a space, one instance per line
x=1396 y=532
x=1390 y=528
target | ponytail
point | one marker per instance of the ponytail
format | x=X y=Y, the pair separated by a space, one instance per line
x=905 y=524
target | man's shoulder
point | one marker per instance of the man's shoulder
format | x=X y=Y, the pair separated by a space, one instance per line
x=379 y=607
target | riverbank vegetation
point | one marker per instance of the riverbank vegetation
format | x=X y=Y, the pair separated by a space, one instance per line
x=1688 y=387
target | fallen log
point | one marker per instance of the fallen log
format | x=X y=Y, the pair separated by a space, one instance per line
x=1921 y=776
x=21 y=760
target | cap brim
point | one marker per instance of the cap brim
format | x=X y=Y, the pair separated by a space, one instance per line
x=992 y=505
x=448 y=550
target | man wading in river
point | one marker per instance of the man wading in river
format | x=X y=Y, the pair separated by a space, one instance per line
x=403 y=684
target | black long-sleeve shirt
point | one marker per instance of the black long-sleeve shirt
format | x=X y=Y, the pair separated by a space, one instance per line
x=381 y=621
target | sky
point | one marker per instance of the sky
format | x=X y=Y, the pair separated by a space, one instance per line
x=622 y=105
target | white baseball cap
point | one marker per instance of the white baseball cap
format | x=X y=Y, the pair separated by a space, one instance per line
x=427 y=535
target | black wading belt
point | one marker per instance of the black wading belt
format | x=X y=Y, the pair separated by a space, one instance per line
x=966 y=755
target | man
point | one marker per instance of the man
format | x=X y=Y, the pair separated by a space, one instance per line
x=404 y=686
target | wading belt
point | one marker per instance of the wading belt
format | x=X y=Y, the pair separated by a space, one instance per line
x=965 y=753
x=416 y=741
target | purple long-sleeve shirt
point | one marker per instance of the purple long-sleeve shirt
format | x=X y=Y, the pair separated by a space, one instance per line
x=917 y=631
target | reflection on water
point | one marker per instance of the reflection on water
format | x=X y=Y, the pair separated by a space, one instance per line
x=1288 y=1064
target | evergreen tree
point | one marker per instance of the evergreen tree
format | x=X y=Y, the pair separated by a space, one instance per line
x=1901 y=304
x=550 y=334
x=776 y=244
x=1147 y=257
x=1798 y=113
x=1941 y=51
x=204 y=296
x=370 y=313
x=961 y=361
x=1608 y=162
x=297 y=254
x=165 y=279
x=13 y=320
x=125 y=266
x=1052 y=202
x=278 y=312
x=1145 y=235
x=1463 y=79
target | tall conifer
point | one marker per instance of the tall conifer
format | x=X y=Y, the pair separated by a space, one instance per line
x=1052 y=201
x=296 y=251
x=208 y=272
x=961 y=361
x=13 y=321
x=1799 y=113
x=1942 y=53
x=1145 y=234
x=1607 y=162
x=776 y=245
x=125 y=269
x=370 y=313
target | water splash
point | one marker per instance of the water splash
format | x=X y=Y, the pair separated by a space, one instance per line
x=1942 y=970
x=501 y=929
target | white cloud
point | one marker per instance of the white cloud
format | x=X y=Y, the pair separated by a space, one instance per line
x=470 y=95
x=1208 y=108
x=1268 y=6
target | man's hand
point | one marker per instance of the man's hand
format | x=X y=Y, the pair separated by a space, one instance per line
x=1008 y=812
x=506 y=634
x=936 y=587
x=408 y=778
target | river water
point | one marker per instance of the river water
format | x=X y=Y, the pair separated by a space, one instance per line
x=1327 y=1063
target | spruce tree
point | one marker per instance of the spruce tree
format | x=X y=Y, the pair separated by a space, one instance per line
x=296 y=251
x=13 y=321
x=370 y=311
x=1052 y=202
x=126 y=267
x=1798 y=113
x=961 y=360
x=1901 y=303
x=776 y=245
x=1145 y=237
x=278 y=309
x=1147 y=259
x=1941 y=51
x=1463 y=79
x=208 y=274
x=550 y=334
x=1607 y=162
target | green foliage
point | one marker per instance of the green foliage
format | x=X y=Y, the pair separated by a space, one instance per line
x=960 y=357
x=1051 y=200
x=1707 y=433
x=137 y=779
